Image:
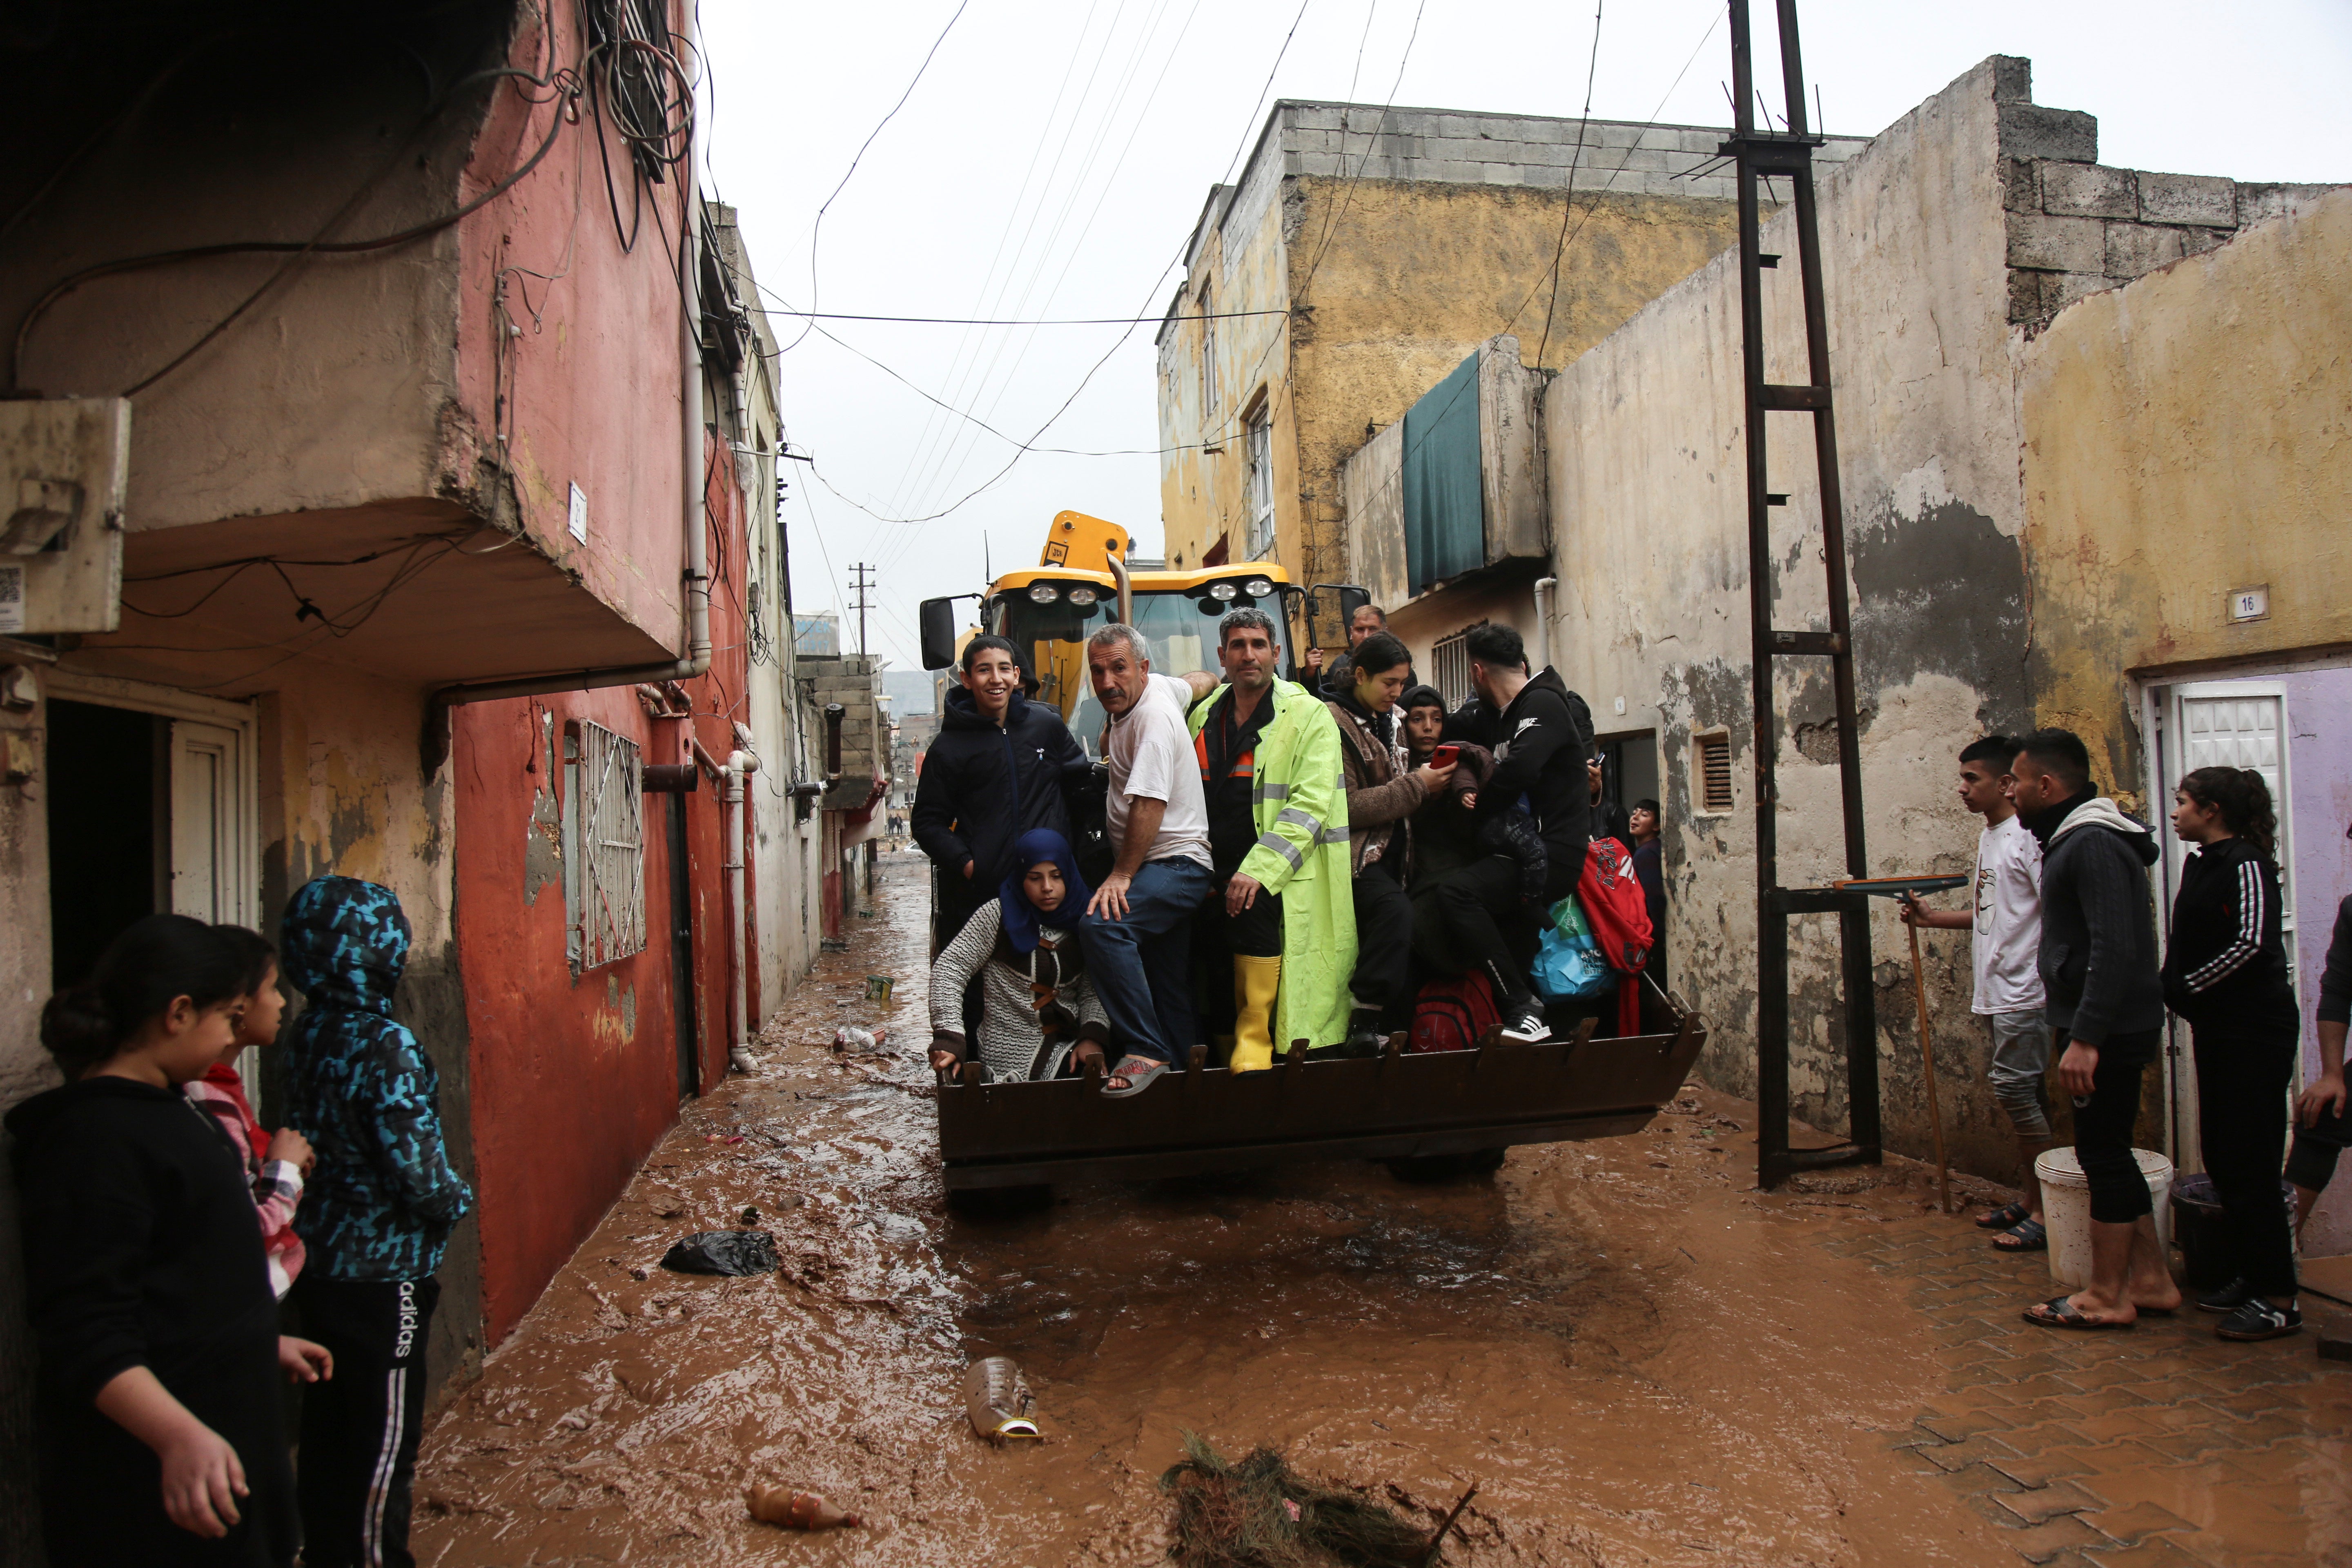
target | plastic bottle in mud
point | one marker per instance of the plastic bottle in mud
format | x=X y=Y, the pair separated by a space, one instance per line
x=997 y=1398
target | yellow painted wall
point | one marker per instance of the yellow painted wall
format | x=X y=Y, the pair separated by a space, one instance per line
x=1404 y=279
x=2185 y=436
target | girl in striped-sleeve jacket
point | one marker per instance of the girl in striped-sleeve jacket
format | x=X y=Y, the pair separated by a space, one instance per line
x=2225 y=974
x=275 y=1163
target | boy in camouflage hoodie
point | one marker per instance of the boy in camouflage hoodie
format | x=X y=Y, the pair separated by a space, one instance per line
x=378 y=1211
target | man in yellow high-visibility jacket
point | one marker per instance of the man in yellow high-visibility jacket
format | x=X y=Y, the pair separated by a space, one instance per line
x=1272 y=774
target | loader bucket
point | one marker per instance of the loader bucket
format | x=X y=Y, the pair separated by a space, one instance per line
x=1395 y=1106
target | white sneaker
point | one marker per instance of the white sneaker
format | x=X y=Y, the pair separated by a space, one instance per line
x=1528 y=1029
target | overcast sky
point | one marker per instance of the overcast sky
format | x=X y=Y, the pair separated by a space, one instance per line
x=1053 y=154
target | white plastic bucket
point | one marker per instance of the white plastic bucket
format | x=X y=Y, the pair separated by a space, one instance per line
x=2067 y=1209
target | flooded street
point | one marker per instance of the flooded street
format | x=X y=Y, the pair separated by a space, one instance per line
x=1636 y=1358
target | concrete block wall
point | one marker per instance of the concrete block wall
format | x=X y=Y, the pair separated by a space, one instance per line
x=2078 y=227
x=854 y=683
x=1358 y=141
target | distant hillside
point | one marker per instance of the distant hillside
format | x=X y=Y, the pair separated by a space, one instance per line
x=910 y=690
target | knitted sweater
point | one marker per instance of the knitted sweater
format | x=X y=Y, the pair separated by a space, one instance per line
x=1017 y=990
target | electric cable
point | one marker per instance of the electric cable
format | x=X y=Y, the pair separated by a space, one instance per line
x=1567 y=205
x=816 y=227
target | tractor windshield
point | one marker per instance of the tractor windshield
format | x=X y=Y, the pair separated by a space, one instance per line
x=1180 y=628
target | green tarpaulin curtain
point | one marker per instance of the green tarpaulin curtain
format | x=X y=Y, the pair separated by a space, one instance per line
x=1444 y=507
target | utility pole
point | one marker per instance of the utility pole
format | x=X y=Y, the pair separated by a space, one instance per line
x=861 y=583
x=1764 y=154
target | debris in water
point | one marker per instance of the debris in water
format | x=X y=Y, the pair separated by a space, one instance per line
x=719 y=1138
x=878 y=987
x=1259 y=1513
x=735 y=1252
x=750 y=1215
x=796 y=1510
x=997 y=1398
x=851 y=1039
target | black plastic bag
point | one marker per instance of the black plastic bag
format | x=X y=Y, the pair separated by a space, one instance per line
x=723 y=1252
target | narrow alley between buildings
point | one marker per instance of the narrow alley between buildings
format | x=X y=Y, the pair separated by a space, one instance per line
x=1638 y=1357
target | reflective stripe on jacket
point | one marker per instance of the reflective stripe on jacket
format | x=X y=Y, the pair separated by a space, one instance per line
x=1299 y=800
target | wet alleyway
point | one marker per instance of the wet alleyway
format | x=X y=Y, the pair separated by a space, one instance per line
x=1638 y=1359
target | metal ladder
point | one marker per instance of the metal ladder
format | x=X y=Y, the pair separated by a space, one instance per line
x=1789 y=153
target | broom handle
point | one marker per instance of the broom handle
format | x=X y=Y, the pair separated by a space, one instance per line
x=1927 y=1051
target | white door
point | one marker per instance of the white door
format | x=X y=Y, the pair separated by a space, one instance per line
x=2215 y=724
x=215 y=874
x=2234 y=725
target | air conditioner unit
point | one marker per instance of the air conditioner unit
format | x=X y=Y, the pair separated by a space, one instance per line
x=64 y=468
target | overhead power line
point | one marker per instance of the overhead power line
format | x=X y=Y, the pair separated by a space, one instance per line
x=1011 y=321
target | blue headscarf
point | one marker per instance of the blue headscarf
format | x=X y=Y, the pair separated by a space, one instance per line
x=1021 y=916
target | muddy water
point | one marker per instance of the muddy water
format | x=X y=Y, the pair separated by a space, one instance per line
x=1636 y=1359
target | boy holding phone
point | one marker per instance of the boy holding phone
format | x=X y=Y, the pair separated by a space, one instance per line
x=1380 y=795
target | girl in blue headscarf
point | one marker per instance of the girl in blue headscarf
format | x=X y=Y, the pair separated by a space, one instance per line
x=1040 y=1016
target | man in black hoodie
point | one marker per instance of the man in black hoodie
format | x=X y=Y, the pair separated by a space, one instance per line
x=1000 y=766
x=2105 y=1000
x=1543 y=733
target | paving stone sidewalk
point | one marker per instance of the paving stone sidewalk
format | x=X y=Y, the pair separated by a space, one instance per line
x=2155 y=1447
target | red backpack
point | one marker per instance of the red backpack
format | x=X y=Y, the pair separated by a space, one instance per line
x=1453 y=1015
x=1614 y=905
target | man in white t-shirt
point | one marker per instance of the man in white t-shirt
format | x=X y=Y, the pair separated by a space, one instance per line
x=2006 y=937
x=1137 y=931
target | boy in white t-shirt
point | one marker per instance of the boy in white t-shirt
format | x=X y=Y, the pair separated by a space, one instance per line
x=2006 y=936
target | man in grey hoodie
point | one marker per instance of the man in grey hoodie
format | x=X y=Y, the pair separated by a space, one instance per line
x=2106 y=998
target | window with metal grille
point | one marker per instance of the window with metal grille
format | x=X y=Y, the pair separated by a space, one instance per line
x=1261 y=480
x=604 y=847
x=1711 y=770
x=1449 y=667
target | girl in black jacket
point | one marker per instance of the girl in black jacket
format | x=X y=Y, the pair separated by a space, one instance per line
x=1001 y=766
x=147 y=1286
x=2225 y=974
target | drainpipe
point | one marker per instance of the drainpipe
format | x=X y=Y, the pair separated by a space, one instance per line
x=693 y=501
x=741 y=765
x=1544 y=587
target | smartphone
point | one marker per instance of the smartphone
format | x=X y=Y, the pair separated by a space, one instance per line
x=1444 y=756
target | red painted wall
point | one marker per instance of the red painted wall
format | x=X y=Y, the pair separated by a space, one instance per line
x=574 y=1080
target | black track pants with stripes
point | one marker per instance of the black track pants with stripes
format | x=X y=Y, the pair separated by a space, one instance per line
x=358 y=1458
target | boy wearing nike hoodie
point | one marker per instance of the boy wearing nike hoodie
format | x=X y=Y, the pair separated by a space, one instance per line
x=2105 y=997
x=379 y=1208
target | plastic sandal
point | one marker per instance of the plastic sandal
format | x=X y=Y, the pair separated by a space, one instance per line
x=2030 y=1236
x=2006 y=1217
x=1139 y=1071
x=2060 y=1313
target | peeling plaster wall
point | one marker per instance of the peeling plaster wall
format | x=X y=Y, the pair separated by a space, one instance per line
x=575 y=1076
x=1647 y=467
x=24 y=1070
x=2184 y=436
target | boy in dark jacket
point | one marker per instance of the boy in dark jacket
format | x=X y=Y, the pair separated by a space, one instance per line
x=2100 y=982
x=379 y=1206
x=1001 y=766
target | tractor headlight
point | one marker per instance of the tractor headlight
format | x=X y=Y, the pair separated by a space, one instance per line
x=1258 y=588
x=1043 y=592
x=1083 y=599
x=1223 y=591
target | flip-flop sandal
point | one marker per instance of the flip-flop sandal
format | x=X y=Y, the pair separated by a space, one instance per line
x=2006 y=1217
x=1139 y=1071
x=2060 y=1313
x=2030 y=1236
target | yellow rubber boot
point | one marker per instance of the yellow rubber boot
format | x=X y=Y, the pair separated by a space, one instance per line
x=1257 y=981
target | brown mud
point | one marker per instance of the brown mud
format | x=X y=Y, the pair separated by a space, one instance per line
x=1640 y=1360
